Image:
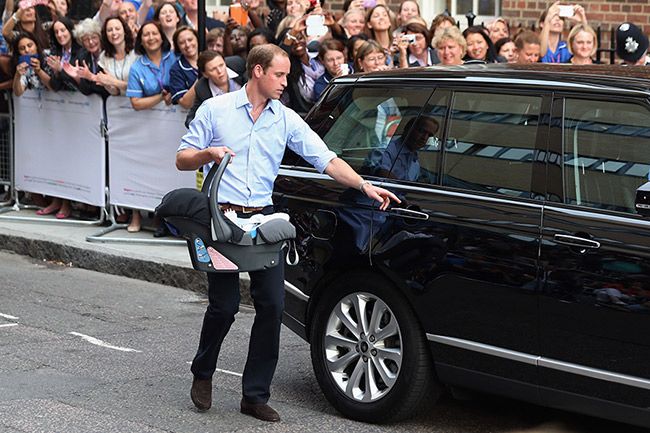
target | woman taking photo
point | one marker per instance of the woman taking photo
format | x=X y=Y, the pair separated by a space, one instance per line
x=451 y=46
x=117 y=57
x=417 y=52
x=31 y=72
x=26 y=20
x=582 y=43
x=185 y=72
x=149 y=74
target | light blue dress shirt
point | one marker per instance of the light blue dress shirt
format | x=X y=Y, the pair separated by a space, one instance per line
x=259 y=146
x=147 y=79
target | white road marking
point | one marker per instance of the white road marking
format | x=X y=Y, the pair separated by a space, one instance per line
x=98 y=342
x=7 y=316
x=8 y=325
x=229 y=372
x=224 y=371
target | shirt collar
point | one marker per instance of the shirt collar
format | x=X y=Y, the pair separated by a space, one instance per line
x=241 y=100
x=413 y=59
x=185 y=64
x=147 y=61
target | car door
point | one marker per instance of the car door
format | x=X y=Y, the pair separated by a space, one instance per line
x=465 y=240
x=334 y=222
x=595 y=298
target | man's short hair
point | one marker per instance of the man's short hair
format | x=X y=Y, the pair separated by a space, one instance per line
x=263 y=55
x=526 y=37
x=206 y=57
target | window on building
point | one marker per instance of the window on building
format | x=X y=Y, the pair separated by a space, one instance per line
x=485 y=10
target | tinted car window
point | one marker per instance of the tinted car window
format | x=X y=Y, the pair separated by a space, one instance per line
x=606 y=153
x=369 y=119
x=414 y=157
x=491 y=142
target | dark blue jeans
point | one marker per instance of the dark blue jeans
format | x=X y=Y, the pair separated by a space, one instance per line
x=267 y=291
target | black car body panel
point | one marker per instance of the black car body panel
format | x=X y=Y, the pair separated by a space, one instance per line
x=516 y=244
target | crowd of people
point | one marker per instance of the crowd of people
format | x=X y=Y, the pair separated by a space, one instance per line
x=148 y=50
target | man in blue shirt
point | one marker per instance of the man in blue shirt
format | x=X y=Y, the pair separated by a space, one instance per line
x=255 y=128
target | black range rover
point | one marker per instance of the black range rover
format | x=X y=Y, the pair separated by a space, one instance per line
x=516 y=264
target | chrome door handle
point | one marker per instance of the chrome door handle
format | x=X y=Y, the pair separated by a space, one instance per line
x=408 y=213
x=575 y=241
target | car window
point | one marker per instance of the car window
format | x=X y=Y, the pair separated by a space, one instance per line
x=368 y=119
x=490 y=145
x=414 y=157
x=606 y=153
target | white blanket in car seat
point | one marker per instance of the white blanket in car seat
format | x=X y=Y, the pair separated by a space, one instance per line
x=250 y=224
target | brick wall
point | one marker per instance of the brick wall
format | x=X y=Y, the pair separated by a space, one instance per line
x=338 y=4
x=605 y=13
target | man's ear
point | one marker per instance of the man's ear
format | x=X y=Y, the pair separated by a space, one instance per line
x=258 y=71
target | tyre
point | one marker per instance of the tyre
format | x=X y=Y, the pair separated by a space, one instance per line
x=369 y=353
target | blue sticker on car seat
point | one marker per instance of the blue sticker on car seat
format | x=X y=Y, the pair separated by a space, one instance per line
x=201 y=253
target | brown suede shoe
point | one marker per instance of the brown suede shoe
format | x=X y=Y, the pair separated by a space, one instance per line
x=262 y=411
x=201 y=393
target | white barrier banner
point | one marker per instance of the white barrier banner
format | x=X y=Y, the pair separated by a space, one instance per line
x=59 y=148
x=142 y=153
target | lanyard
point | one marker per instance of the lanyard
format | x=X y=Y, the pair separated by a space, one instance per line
x=160 y=73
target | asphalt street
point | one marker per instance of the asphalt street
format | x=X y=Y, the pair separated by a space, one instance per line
x=82 y=351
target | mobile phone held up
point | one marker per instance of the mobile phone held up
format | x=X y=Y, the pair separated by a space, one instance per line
x=566 y=11
x=24 y=4
x=27 y=58
x=369 y=3
x=238 y=14
x=316 y=26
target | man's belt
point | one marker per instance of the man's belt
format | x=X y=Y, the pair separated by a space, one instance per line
x=237 y=208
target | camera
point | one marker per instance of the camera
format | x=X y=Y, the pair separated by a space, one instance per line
x=409 y=38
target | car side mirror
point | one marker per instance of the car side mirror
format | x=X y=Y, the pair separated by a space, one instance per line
x=642 y=202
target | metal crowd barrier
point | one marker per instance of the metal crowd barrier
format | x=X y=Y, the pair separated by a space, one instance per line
x=37 y=125
x=122 y=158
x=6 y=148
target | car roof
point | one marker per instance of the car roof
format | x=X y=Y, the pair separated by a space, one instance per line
x=627 y=78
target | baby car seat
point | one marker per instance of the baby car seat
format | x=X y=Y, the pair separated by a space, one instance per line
x=216 y=243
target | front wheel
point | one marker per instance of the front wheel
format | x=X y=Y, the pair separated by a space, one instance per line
x=369 y=354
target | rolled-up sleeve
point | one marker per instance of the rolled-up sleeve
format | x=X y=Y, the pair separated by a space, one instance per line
x=306 y=143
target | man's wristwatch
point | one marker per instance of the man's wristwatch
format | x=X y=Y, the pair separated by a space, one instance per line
x=362 y=186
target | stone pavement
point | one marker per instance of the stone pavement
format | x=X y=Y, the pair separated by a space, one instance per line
x=65 y=242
